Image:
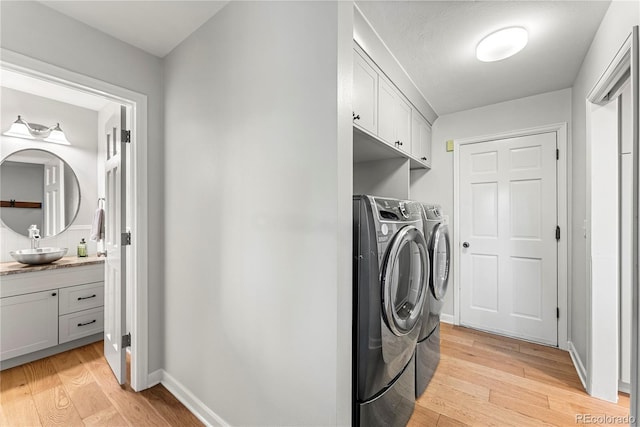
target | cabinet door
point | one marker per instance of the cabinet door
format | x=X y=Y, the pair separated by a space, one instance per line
x=394 y=119
x=403 y=124
x=421 y=139
x=387 y=104
x=28 y=323
x=365 y=94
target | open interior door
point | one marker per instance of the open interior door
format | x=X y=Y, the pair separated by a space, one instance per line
x=115 y=246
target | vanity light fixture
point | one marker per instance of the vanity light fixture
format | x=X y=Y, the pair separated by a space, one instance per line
x=502 y=44
x=22 y=129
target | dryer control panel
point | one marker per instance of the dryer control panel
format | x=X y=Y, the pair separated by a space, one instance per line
x=397 y=210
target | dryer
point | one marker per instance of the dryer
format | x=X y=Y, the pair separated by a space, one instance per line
x=428 y=347
x=390 y=288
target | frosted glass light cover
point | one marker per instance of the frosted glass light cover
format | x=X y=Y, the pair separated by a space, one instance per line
x=502 y=44
x=58 y=137
x=19 y=130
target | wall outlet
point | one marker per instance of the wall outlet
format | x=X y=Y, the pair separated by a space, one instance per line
x=450 y=145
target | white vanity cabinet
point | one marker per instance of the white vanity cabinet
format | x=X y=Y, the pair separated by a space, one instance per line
x=28 y=323
x=48 y=308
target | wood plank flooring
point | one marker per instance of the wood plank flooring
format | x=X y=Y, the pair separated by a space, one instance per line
x=487 y=380
x=77 y=388
x=482 y=380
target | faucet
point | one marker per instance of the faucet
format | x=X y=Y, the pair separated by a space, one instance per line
x=34 y=235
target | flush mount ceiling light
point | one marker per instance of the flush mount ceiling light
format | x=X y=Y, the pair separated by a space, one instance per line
x=502 y=44
x=22 y=129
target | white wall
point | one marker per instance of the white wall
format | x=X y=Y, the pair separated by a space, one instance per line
x=258 y=214
x=79 y=125
x=614 y=29
x=436 y=185
x=34 y=30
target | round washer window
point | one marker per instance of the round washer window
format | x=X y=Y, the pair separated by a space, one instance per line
x=440 y=251
x=405 y=276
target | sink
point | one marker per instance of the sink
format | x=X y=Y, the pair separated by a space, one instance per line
x=38 y=256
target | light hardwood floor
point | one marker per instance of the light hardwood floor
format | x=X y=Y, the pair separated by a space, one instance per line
x=487 y=380
x=482 y=380
x=77 y=388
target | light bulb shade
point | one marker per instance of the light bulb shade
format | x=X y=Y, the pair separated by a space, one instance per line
x=502 y=44
x=57 y=136
x=19 y=129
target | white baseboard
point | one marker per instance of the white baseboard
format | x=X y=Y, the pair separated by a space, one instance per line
x=447 y=318
x=575 y=358
x=188 y=399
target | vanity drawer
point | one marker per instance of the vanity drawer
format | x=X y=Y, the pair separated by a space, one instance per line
x=83 y=297
x=82 y=324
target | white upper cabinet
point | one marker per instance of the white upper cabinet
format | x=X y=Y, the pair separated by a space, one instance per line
x=394 y=117
x=365 y=95
x=421 y=139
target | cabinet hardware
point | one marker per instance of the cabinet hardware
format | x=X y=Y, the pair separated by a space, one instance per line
x=87 y=323
x=81 y=298
x=356 y=117
x=54 y=294
x=423 y=158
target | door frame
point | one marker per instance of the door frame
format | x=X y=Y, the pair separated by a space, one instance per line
x=138 y=273
x=562 y=191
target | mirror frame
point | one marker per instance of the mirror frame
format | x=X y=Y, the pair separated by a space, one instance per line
x=77 y=211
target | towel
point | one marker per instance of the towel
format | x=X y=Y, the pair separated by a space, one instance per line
x=97 y=228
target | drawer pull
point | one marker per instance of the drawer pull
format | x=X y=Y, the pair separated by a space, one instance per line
x=81 y=298
x=87 y=323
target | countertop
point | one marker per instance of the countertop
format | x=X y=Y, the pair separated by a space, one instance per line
x=7 y=268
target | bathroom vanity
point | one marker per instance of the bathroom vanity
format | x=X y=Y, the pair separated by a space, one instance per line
x=50 y=308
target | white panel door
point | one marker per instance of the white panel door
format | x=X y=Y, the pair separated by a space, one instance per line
x=54 y=220
x=365 y=94
x=115 y=264
x=508 y=218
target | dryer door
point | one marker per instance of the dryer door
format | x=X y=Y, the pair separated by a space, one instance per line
x=405 y=275
x=440 y=255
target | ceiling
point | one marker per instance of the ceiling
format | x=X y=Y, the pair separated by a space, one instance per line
x=435 y=42
x=151 y=25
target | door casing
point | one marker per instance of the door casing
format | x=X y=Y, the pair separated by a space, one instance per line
x=138 y=273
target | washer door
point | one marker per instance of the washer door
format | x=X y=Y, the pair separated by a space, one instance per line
x=440 y=255
x=405 y=276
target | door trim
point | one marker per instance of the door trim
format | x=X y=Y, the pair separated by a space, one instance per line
x=564 y=212
x=139 y=189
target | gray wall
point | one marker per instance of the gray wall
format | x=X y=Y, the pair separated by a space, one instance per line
x=34 y=30
x=258 y=196
x=614 y=29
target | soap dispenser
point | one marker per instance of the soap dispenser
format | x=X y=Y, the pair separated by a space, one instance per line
x=82 y=248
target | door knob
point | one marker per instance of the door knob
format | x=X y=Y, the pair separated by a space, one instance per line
x=465 y=244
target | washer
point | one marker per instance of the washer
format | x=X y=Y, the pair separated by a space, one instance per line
x=428 y=347
x=390 y=288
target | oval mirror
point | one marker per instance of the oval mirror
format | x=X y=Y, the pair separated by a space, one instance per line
x=38 y=187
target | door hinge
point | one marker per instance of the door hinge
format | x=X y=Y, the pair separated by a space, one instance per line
x=557 y=232
x=125 y=135
x=557 y=154
x=126 y=340
x=557 y=312
x=126 y=239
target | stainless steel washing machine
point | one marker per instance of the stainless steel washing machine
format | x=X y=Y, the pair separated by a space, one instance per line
x=428 y=347
x=390 y=285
